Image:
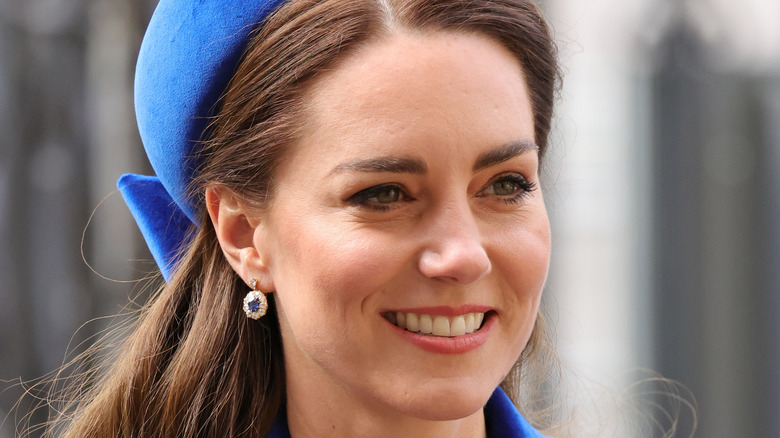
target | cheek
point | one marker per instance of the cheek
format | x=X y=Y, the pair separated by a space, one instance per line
x=524 y=258
x=323 y=259
x=532 y=261
x=324 y=271
x=324 y=276
x=525 y=246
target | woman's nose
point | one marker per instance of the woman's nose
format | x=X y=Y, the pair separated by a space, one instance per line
x=454 y=250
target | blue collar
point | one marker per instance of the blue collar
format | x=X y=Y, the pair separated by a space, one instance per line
x=501 y=420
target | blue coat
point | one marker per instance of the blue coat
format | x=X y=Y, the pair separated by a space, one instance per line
x=501 y=420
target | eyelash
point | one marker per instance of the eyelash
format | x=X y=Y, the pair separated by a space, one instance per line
x=362 y=198
x=523 y=187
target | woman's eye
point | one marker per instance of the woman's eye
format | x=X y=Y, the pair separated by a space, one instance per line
x=379 y=197
x=504 y=187
x=386 y=195
x=511 y=188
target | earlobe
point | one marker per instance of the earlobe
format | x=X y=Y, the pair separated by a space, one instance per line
x=236 y=230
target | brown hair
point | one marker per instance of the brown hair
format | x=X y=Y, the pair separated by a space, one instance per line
x=194 y=366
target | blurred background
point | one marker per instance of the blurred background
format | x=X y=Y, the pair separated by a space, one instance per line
x=663 y=184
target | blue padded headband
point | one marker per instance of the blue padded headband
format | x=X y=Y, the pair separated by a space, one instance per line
x=189 y=53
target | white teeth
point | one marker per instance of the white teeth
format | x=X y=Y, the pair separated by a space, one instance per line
x=426 y=324
x=441 y=326
x=470 y=323
x=458 y=326
x=412 y=322
x=400 y=319
x=437 y=325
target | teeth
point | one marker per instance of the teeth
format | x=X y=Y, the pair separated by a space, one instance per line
x=426 y=324
x=412 y=322
x=437 y=325
x=458 y=326
x=441 y=326
x=470 y=323
x=400 y=319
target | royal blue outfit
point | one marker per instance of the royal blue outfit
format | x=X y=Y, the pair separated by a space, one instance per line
x=501 y=420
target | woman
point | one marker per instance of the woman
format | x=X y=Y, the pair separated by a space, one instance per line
x=366 y=192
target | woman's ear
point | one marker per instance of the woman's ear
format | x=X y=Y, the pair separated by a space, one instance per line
x=236 y=230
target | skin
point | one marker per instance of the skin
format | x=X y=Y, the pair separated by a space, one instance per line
x=458 y=230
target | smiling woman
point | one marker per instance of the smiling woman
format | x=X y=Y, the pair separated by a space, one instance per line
x=441 y=225
x=372 y=175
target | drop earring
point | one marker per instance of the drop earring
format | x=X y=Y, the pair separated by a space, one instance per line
x=255 y=303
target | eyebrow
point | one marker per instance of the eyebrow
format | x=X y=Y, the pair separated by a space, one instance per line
x=418 y=167
x=384 y=164
x=504 y=153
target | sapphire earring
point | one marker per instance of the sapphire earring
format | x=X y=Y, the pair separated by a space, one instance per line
x=255 y=303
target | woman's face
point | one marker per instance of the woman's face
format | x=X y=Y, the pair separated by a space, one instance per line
x=412 y=199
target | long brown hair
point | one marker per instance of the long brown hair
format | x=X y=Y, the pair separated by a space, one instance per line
x=194 y=365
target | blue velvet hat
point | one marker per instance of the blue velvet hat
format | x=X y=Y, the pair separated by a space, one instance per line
x=188 y=55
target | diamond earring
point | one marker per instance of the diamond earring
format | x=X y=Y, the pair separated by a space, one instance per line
x=255 y=303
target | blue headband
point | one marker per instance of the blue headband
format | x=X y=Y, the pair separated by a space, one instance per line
x=188 y=55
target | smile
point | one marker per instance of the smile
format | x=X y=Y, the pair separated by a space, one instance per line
x=436 y=325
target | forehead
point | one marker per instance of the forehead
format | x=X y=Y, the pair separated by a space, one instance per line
x=415 y=88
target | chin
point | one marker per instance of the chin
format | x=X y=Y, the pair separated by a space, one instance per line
x=444 y=404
